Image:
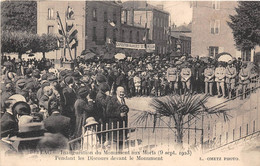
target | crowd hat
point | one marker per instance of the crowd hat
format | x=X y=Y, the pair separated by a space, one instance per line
x=25 y=119
x=90 y=121
x=21 y=108
x=36 y=73
x=29 y=131
x=21 y=83
x=68 y=80
x=83 y=91
x=52 y=78
x=101 y=78
x=104 y=87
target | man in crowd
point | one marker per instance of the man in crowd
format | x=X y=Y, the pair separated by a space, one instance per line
x=231 y=74
x=209 y=79
x=173 y=78
x=116 y=114
x=220 y=74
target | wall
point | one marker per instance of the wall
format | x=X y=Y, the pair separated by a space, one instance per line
x=43 y=22
x=100 y=24
x=203 y=13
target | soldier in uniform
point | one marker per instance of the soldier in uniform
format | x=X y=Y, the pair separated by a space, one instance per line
x=231 y=73
x=185 y=77
x=172 y=77
x=209 y=74
x=244 y=76
x=220 y=74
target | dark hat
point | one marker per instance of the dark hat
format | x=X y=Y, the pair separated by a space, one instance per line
x=76 y=74
x=63 y=73
x=52 y=78
x=83 y=91
x=68 y=80
x=28 y=71
x=21 y=108
x=101 y=78
x=44 y=77
x=21 y=83
x=36 y=73
x=104 y=87
x=45 y=83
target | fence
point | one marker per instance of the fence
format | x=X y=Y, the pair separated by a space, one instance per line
x=206 y=133
x=244 y=123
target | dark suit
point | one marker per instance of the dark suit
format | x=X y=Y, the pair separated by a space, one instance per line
x=101 y=102
x=113 y=116
x=57 y=123
x=8 y=123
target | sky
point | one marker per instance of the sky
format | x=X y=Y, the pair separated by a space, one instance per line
x=180 y=11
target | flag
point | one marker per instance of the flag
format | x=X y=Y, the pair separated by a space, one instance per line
x=70 y=12
x=73 y=43
x=72 y=35
x=112 y=23
x=59 y=25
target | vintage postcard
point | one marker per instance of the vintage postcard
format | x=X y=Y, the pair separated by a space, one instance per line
x=130 y=82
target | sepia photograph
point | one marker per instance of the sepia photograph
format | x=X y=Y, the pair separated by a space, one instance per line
x=130 y=82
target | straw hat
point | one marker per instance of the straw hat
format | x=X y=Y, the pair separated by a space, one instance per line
x=90 y=121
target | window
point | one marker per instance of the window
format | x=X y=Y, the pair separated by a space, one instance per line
x=213 y=51
x=114 y=17
x=94 y=14
x=226 y=137
x=137 y=37
x=105 y=34
x=105 y=16
x=216 y=5
x=50 y=14
x=254 y=126
x=130 y=37
x=246 y=55
x=94 y=35
x=50 y=29
x=215 y=27
x=233 y=134
x=123 y=35
x=70 y=13
x=124 y=17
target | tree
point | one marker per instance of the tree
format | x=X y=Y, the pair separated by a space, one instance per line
x=246 y=24
x=19 y=16
x=21 y=42
x=45 y=43
x=16 y=42
x=178 y=108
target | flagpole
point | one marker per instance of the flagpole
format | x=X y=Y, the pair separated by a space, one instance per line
x=67 y=43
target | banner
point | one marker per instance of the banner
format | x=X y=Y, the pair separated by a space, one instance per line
x=135 y=46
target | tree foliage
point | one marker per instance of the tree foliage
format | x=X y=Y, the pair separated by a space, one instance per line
x=246 y=24
x=21 y=42
x=19 y=16
x=178 y=108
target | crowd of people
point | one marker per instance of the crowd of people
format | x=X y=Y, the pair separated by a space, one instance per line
x=44 y=107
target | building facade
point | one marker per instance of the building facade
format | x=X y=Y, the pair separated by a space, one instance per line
x=99 y=23
x=181 y=43
x=210 y=32
x=154 y=18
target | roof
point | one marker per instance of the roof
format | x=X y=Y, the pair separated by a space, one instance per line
x=179 y=35
x=135 y=26
x=141 y=5
x=182 y=28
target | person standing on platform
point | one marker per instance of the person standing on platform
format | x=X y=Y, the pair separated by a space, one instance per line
x=220 y=73
x=231 y=73
x=209 y=79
